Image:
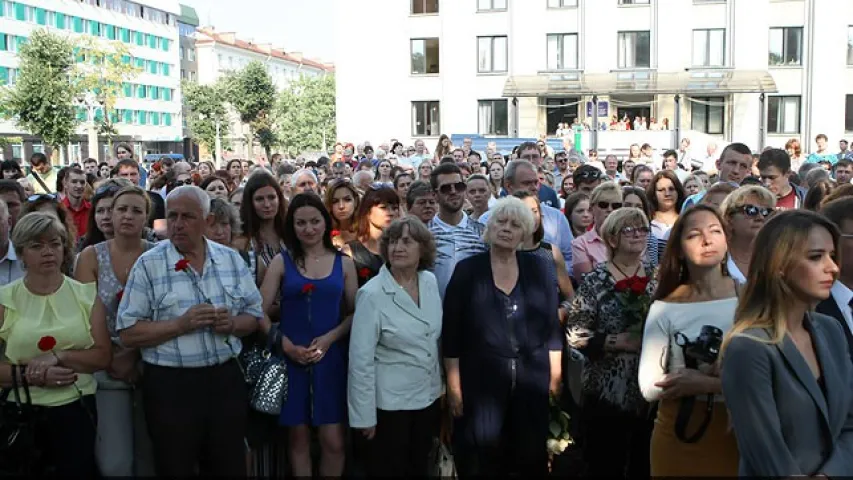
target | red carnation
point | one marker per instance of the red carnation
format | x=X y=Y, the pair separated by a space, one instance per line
x=119 y=295
x=182 y=265
x=639 y=286
x=336 y=233
x=46 y=343
x=622 y=285
x=364 y=272
x=308 y=288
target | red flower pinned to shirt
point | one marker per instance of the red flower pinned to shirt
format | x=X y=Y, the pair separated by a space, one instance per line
x=336 y=233
x=623 y=285
x=639 y=284
x=364 y=272
x=182 y=264
x=119 y=295
x=308 y=288
x=46 y=343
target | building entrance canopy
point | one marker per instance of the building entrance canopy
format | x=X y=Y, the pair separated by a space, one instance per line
x=644 y=82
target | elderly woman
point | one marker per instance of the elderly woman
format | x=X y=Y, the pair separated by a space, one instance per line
x=502 y=350
x=589 y=249
x=608 y=334
x=55 y=336
x=394 y=371
x=745 y=210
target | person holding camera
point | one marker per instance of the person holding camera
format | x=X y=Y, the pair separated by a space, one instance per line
x=694 y=305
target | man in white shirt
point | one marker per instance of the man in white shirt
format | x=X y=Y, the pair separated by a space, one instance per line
x=838 y=305
x=10 y=266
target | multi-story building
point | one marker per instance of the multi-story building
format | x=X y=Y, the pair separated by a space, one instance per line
x=222 y=52
x=148 y=112
x=754 y=71
x=187 y=23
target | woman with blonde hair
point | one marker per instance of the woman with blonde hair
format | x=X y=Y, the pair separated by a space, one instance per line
x=589 y=249
x=745 y=210
x=786 y=370
x=795 y=151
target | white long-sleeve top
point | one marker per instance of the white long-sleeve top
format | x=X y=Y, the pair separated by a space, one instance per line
x=393 y=350
x=660 y=353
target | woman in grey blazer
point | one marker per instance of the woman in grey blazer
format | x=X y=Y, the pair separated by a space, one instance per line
x=786 y=373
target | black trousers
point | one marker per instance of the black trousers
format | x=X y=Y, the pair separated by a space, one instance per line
x=197 y=419
x=67 y=436
x=615 y=443
x=403 y=442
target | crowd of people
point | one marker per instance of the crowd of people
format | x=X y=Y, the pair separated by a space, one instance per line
x=430 y=310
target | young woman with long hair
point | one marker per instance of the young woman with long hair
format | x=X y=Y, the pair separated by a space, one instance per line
x=313 y=282
x=341 y=201
x=262 y=211
x=442 y=147
x=379 y=207
x=578 y=213
x=108 y=263
x=383 y=172
x=235 y=171
x=694 y=292
x=496 y=179
x=786 y=370
x=666 y=196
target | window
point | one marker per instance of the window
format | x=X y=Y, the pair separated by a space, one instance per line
x=633 y=2
x=783 y=114
x=786 y=46
x=425 y=119
x=493 y=117
x=181 y=53
x=17 y=150
x=491 y=54
x=634 y=50
x=850 y=45
x=191 y=54
x=563 y=51
x=848 y=114
x=709 y=48
x=420 y=7
x=425 y=58
x=486 y=5
x=38 y=148
x=192 y=76
x=562 y=3
x=708 y=115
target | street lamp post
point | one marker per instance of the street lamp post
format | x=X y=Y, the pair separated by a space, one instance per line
x=91 y=102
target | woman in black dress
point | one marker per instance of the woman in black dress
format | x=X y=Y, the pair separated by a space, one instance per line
x=379 y=206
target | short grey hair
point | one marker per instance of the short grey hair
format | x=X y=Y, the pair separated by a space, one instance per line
x=223 y=211
x=192 y=192
x=512 y=167
x=510 y=208
x=357 y=176
x=294 y=180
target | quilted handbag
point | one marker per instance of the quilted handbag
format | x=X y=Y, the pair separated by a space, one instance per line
x=19 y=419
x=270 y=389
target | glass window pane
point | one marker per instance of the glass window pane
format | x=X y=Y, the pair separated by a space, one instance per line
x=849 y=45
x=501 y=117
x=484 y=49
x=716 y=48
x=570 y=52
x=848 y=114
x=499 y=4
x=484 y=4
x=697 y=117
x=418 y=56
x=699 y=47
x=500 y=52
x=775 y=54
x=434 y=118
x=793 y=46
x=791 y=114
x=553 y=52
x=485 y=117
x=715 y=117
x=643 y=53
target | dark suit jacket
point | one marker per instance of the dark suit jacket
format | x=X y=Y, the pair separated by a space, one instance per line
x=783 y=422
x=831 y=308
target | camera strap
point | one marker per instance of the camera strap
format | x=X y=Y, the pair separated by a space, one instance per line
x=685 y=409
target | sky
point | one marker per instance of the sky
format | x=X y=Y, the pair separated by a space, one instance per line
x=297 y=25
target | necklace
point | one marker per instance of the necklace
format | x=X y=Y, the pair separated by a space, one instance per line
x=636 y=271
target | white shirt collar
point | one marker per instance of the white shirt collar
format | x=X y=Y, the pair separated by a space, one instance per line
x=441 y=223
x=841 y=294
x=10 y=254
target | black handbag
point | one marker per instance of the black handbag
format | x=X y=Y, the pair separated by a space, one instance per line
x=19 y=421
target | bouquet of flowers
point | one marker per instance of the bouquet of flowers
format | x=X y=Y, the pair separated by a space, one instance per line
x=635 y=301
x=559 y=437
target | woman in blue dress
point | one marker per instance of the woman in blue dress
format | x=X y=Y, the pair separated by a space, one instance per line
x=314 y=282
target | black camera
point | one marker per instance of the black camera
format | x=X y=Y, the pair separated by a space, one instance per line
x=705 y=349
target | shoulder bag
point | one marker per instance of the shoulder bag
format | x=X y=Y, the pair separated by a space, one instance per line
x=19 y=421
x=270 y=389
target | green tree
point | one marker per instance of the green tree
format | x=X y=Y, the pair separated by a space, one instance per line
x=251 y=93
x=306 y=114
x=42 y=100
x=206 y=105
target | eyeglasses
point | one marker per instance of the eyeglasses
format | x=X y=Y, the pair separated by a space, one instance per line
x=590 y=174
x=107 y=189
x=606 y=205
x=188 y=181
x=39 y=196
x=449 y=188
x=754 y=211
x=632 y=230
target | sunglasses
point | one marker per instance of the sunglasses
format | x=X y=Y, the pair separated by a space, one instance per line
x=606 y=205
x=632 y=230
x=448 y=188
x=754 y=211
x=39 y=196
x=590 y=175
x=107 y=189
x=188 y=181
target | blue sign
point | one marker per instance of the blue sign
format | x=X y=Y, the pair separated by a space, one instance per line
x=603 y=109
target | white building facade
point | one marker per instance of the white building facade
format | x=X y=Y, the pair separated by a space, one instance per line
x=220 y=53
x=753 y=71
x=148 y=112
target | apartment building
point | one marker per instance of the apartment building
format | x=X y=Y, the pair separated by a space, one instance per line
x=148 y=113
x=187 y=24
x=754 y=71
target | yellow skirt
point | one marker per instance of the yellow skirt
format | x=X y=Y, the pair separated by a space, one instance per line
x=715 y=454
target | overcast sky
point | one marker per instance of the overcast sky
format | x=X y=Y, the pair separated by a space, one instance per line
x=305 y=26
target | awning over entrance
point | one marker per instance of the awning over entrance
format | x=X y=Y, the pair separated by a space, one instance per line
x=702 y=82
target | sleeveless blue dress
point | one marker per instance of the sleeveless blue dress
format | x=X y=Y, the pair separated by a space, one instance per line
x=317 y=394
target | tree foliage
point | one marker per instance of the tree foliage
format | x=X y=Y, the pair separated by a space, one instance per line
x=206 y=105
x=251 y=92
x=42 y=100
x=305 y=114
x=103 y=68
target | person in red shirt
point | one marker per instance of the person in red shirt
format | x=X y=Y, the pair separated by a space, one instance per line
x=775 y=166
x=74 y=185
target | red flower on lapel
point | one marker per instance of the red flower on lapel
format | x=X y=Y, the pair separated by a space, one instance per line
x=182 y=264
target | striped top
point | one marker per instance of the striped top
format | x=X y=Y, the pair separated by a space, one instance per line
x=454 y=243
